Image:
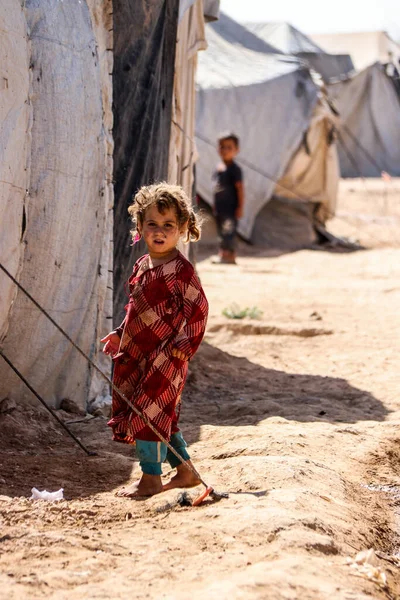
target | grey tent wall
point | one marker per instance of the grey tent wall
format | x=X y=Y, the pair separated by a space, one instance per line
x=143 y=79
x=329 y=66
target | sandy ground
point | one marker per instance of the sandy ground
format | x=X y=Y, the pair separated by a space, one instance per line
x=296 y=415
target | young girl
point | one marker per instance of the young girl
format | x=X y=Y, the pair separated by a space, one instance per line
x=163 y=327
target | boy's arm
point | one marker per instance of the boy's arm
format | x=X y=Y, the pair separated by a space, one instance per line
x=240 y=196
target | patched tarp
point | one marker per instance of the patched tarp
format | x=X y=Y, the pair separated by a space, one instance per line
x=60 y=153
x=144 y=55
x=369 y=134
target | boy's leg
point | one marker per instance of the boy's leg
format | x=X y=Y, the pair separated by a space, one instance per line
x=184 y=477
x=226 y=226
x=151 y=455
x=230 y=241
x=221 y=251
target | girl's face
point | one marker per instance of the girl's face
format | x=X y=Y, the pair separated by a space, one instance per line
x=161 y=232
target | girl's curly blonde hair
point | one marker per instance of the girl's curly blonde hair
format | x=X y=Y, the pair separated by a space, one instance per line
x=165 y=196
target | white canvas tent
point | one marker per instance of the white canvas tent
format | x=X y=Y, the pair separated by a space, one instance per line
x=271 y=102
x=55 y=191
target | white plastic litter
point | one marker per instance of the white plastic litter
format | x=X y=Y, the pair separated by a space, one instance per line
x=366 y=564
x=45 y=495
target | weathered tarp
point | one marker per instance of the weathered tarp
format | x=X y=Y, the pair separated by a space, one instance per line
x=331 y=67
x=369 y=133
x=268 y=100
x=15 y=116
x=313 y=172
x=61 y=47
x=143 y=78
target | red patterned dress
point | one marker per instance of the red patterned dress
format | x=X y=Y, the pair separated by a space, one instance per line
x=167 y=309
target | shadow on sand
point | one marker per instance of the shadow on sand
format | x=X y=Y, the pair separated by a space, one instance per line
x=36 y=452
x=227 y=390
x=221 y=390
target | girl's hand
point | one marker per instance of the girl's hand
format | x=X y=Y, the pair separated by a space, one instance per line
x=178 y=354
x=111 y=343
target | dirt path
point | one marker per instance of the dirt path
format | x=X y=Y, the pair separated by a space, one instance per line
x=296 y=415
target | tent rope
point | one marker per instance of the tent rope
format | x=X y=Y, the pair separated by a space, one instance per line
x=34 y=392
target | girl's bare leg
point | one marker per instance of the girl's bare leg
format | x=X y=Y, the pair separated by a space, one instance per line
x=148 y=485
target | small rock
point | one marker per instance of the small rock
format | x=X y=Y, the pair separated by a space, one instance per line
x=70 y=406
x=7 y=405
x=315 y=316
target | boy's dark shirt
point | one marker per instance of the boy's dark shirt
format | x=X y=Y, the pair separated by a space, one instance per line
x=225 y=193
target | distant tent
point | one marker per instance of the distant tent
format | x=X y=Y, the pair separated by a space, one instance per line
x=364 y=47
x=285 y=37
x=369 y=133
x=368 y=102
x=273 y=104
x=291 y=41
x=234 y=33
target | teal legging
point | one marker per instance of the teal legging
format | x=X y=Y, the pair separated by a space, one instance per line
x=151 y=455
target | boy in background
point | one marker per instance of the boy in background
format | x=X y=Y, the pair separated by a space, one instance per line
x=228 y=197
